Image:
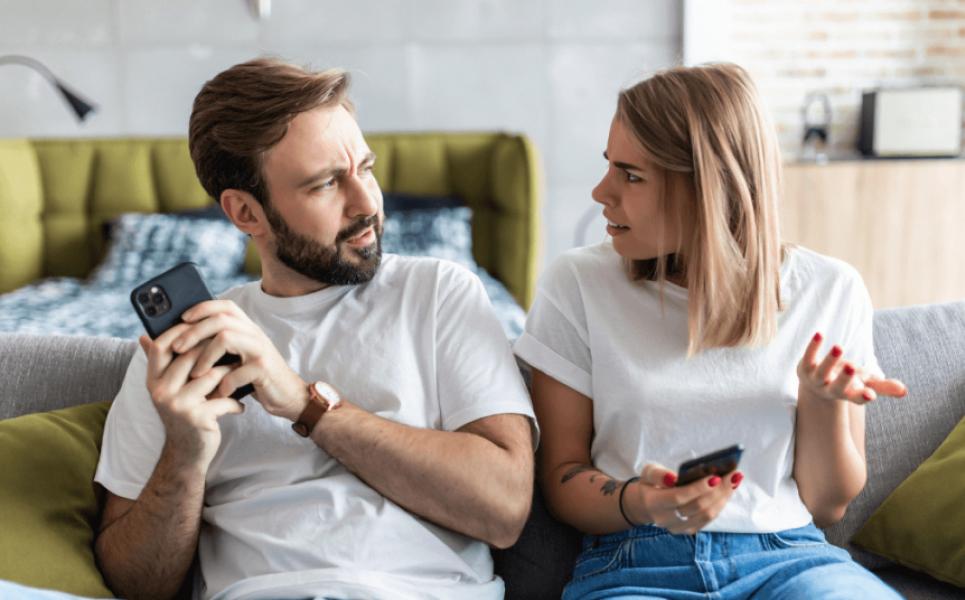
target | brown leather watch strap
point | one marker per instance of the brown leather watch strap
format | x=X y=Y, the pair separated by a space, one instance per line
x=310 y=416
x=318 y=405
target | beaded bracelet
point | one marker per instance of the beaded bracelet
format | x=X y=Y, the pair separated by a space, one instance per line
x=620 y=501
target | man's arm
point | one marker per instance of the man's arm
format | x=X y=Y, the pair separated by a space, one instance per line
x=145 y=547
x=477 y=480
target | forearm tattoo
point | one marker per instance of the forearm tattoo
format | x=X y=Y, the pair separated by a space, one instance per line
x=576 y=471
x=609 y=486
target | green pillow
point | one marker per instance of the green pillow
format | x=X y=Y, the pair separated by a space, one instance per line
x=921 y=525
x=49 y=504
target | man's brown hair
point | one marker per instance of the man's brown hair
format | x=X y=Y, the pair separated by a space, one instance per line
x=245 y=110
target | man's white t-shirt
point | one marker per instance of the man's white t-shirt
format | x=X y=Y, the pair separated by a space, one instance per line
x=614 y=341
x=419 y=345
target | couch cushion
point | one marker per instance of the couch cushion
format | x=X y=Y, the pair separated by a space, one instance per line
x=67 y=173
x=21 y=234
x=145 y=245
x=444 y=232
x=921 y=525
x=539 y=565
x=49 y=505
x=924 y=346
x=917 y=586
x=40 y=373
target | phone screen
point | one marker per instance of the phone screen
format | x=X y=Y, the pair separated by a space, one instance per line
x=719 y=462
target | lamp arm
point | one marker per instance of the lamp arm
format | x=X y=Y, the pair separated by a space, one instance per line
x=36 y=65
x=80 y=106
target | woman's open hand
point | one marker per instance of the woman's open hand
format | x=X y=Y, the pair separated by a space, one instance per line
x=835 y=378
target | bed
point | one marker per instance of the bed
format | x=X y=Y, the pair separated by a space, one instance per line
x=83 y=221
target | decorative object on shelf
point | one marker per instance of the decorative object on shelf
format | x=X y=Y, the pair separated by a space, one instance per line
x=80 y=106
x=816 y=115
x=911 y=122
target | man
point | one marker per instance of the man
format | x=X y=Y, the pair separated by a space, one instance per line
x=419 y=447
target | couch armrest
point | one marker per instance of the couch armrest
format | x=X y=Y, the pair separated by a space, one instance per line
x=40 y=373
x=924 y=346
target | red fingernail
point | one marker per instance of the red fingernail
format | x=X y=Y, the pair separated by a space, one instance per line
x=817 y=337
x=836 y=351
x=848 y=370
x=713 y=481
x=669 y=479
x=867 y=397
x=736 y=479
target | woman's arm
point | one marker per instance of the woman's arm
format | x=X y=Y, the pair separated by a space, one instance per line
x=577 y=492
x=829 y=452
x=580 y=494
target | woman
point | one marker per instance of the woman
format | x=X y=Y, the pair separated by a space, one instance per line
x=691 y=329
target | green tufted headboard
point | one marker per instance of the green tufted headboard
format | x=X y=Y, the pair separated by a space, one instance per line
x=55 y=195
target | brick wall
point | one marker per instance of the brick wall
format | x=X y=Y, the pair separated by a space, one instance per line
x=838 y=47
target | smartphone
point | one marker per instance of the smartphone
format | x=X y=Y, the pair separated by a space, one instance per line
x=719 y=462
x=160 y=302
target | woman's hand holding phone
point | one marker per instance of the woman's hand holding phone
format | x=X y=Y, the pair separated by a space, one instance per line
x=686 y=509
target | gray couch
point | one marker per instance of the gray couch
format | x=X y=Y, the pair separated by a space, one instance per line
x=924 y=346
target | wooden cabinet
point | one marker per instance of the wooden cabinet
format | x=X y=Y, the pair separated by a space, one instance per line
x=901 y=223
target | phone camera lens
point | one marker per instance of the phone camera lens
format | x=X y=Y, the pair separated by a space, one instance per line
x=151 y=311
x=157 y=297
x=143 y=298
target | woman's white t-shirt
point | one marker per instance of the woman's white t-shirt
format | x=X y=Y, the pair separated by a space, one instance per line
x=613 y=340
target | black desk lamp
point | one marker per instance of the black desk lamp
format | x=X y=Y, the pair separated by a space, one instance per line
x=80 y=106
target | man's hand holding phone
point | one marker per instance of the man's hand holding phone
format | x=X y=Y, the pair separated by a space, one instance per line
x=186 y=405
x=681 y=509
x=218 y=327
x=203 y=356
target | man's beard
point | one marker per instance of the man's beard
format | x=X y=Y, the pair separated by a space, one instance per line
x=327 y=264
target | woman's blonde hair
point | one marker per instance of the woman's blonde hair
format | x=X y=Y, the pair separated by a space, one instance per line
x=705 y=128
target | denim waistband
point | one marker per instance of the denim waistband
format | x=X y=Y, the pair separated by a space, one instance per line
x=640 y=531
x=645 y=531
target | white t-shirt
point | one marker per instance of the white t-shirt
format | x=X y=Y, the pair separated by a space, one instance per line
x=418 y=344
x=609 y=338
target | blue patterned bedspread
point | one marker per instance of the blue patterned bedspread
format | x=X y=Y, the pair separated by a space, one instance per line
x=144 y=244
x=68 y=306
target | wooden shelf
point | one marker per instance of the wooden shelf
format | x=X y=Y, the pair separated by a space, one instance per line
x=901 y=223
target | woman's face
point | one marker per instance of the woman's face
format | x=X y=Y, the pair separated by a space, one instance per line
x=631 y=193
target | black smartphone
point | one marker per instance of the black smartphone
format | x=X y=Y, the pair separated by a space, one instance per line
x=160 y=302
x=719 y=462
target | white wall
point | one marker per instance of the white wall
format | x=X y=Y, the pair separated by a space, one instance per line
x=549 y=68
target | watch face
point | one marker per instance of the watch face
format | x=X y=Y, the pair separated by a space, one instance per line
x=328 y=392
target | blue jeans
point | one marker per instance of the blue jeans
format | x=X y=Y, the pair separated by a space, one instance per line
x=650 y=562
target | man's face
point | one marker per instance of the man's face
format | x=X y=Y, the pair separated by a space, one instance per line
x=324 y=205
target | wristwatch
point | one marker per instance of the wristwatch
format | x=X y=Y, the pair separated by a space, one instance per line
x=322 y=398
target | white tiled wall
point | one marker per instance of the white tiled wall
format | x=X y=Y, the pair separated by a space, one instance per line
x=549 y=68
